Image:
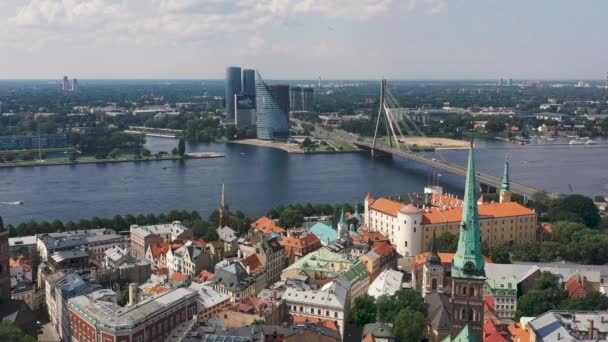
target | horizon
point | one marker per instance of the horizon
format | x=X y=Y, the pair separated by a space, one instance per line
x=333 y=39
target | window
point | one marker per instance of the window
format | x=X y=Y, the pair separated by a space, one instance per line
x=336 y=314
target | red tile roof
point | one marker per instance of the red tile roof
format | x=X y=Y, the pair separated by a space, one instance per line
x=383 y=248
x=518 y=334
x=178 y=276
x=267 y=226
x=203 y=276
x=254 y=263
x=333 y=325
x=575 y=288
x=158 y=248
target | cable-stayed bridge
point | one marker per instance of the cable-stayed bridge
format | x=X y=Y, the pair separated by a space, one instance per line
x=396 y=121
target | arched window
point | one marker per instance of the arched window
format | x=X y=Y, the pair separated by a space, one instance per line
x=472 y=291
x=464 y=290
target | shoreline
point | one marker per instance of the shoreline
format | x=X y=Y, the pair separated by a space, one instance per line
x=287 y=147
x=51 y=162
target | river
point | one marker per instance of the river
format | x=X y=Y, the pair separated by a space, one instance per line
x=259 y=178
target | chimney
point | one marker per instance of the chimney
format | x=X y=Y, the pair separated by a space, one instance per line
x=591 y=329
x=238 y=253
x=132 y=294
x=248 y=270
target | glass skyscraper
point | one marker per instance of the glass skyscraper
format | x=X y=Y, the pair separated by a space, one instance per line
x=233 y=87
x=249 y=82
x=272 y=106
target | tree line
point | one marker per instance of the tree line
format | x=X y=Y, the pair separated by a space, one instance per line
x=404 y=310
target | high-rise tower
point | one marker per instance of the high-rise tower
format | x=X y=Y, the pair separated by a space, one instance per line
x=233 y=87
x=272 y=110
x=248 y=82
x=468 y=273
x=505 y=189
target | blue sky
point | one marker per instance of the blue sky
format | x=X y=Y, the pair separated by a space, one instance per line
x=304 y=39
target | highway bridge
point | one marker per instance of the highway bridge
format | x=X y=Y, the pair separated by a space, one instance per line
x=488 y=182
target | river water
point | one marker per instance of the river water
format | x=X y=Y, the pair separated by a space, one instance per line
x=259 y=178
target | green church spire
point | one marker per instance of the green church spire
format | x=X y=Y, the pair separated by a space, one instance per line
x=506 y=185
x=342 y=220
x=468 y=261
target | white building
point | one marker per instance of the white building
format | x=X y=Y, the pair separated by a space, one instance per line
x=115 y=257
x=210 y=301
x=329 y=303
x=95 y=241
x=400 y=223
x=387 y=283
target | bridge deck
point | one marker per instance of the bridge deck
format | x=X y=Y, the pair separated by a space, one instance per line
x=482 y=177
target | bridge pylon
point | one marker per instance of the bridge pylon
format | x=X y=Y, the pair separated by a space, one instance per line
x=380 y=110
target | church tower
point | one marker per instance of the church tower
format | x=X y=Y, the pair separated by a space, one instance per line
x=432 y=271
x=223 y=219
x=468 y=273
x=342 y=227
x=505 y=189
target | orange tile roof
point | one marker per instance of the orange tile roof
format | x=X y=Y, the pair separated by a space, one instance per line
x=300 y=242
x=573 y=286
x=156 y=289
x=383 y=248
x=158 y=248
x=254 y=263
x=199 y=242
x=489 y=210
x=449 y=209
x=386 y=206
x=267 y=226
x=518 y=334
x=333 y=325
x=203 y=277
x=178 y=276
x=446 y=258
x=176 y=244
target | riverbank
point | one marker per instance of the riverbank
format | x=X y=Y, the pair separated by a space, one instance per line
x=288 y=146
x=123 y=159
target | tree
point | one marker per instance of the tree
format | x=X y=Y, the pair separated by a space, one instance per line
x=258 y=322
x=500 y=254
x=115 y=153
x=545 y=295
x=181 y=147
x=28 y=155
x=388 y=307
x=594 y=301
x=447 y=242
x=540 y=201
x=364 y=310
x=409 y=325
x=291 y=217
x=174 y=151
x=9 y=332
x=145 y=152
x=9 y=156
x=599 y=198
x=584 y=207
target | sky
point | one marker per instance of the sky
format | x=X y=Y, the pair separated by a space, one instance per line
x=304 y=39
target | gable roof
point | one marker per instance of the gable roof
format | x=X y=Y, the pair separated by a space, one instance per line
x=267 y=226
x=254 y=263
x=159 y=248
x=324 y=232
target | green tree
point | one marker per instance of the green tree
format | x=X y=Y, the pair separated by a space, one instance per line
x=584 y=207
x=593 y=301
x=447 y=242
x=145 y=152
x=409 y=325
x=364 y=310
x=28 y=155
x=388 y=307
x=291 y=217
x=9 y=156
x=545 y=295
x=181 y=147
x=9 y=332
x=115 y=153
x=501 y=254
